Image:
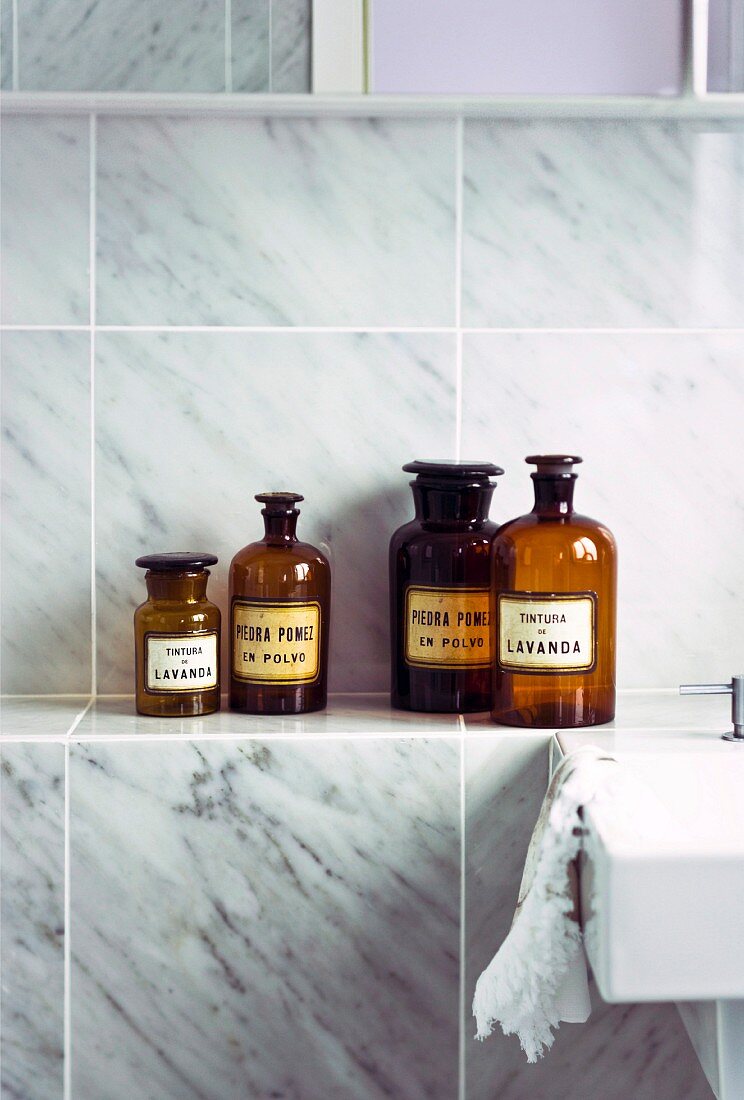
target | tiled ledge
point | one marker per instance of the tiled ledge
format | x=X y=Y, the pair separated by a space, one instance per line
x=112 y=718
x=377 y=106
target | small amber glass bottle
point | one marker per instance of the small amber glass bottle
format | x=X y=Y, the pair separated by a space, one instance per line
x=280 y=608
x=177 y=638
x=440 y=575
x=555 y=577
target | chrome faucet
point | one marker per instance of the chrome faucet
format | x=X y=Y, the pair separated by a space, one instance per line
x=736 y=690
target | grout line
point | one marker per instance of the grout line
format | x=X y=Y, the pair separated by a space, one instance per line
x=92 y=233
x=271 y=45
x=79 y=717
x=228 y=47
x=67 y=920
x=385 y=329
x=15 y=76
x=463 y=944
x=67 y=1022
x=459 y=130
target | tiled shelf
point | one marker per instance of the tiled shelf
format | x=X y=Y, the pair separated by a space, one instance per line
x=113 y=718
x=373 y=106
x=79 y=718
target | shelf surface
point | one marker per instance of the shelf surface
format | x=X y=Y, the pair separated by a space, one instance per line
x=709 y=106
x=645 y=720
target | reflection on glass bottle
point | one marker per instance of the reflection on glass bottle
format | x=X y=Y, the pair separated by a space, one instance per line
x=555 y=578
x=280 y=604
x=440 y=576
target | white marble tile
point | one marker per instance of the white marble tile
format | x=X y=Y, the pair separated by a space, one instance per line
x=251 y=61
x=45 y=215
x=657 y=419
x=638 y=1051
x=603 y=223
x=32 y=787
x=290 y=45
x=45 y=541
x=122 y=45
x=346 y=716
x=265 y=920
x=6 y=44
x=276 y=221
x=189 y=427
x=40 y=716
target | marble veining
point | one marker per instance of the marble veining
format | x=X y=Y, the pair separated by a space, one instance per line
x=45 y=538
x=657 y=418
x=181 y=449
x=122 y=45
x=603 y=223
x=286 y=920
x=638 y=1051
x=275 y=221
x=290 y=45
x=32 y=921
x=251 y=48
x=45 y=211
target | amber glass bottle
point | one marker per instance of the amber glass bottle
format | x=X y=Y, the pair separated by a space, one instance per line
x=177 y=638
x=555 y=577
x=439 y=590
x=280 y=608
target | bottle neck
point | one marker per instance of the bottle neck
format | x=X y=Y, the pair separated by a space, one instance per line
x=553 y=495
x=464 y=507
x=280 y=529
x=177 y=587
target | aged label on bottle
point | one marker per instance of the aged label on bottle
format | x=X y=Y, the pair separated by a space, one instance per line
x=547 y=632
x=448 y=627
x=180 y=662
x=275 y=642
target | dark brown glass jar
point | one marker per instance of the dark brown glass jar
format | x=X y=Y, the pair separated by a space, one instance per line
x=440 y=580
x=555 y=578
x=280 y=613
x=177 y=638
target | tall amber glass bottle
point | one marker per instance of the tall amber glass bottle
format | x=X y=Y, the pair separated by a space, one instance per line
x=177 y=638
x=280 y=613
x=439 y=590
x=555 y=578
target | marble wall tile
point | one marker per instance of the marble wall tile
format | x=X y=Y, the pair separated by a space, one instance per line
x=638 y=1051
x=251 y=49
x=657 y=419
x=603 y=223
x=290 y=45
x=286 y=920
x=6 y=44
x=46 y=530
x=189 y=427
x=122 y=45
x=45 y=214
x=276 y=221
x=32 y=921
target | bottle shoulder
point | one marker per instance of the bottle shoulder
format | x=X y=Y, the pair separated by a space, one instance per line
x=416 y=534
x=531 y=527
x=294 y=552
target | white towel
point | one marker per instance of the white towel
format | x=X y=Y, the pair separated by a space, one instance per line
x=538 y=977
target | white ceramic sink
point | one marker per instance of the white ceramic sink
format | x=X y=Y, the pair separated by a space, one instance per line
x=662 y=879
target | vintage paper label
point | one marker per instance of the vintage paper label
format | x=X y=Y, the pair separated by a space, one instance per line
x=546 y=632
x=275 y=642
x=180 y=662
x=447 y=627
